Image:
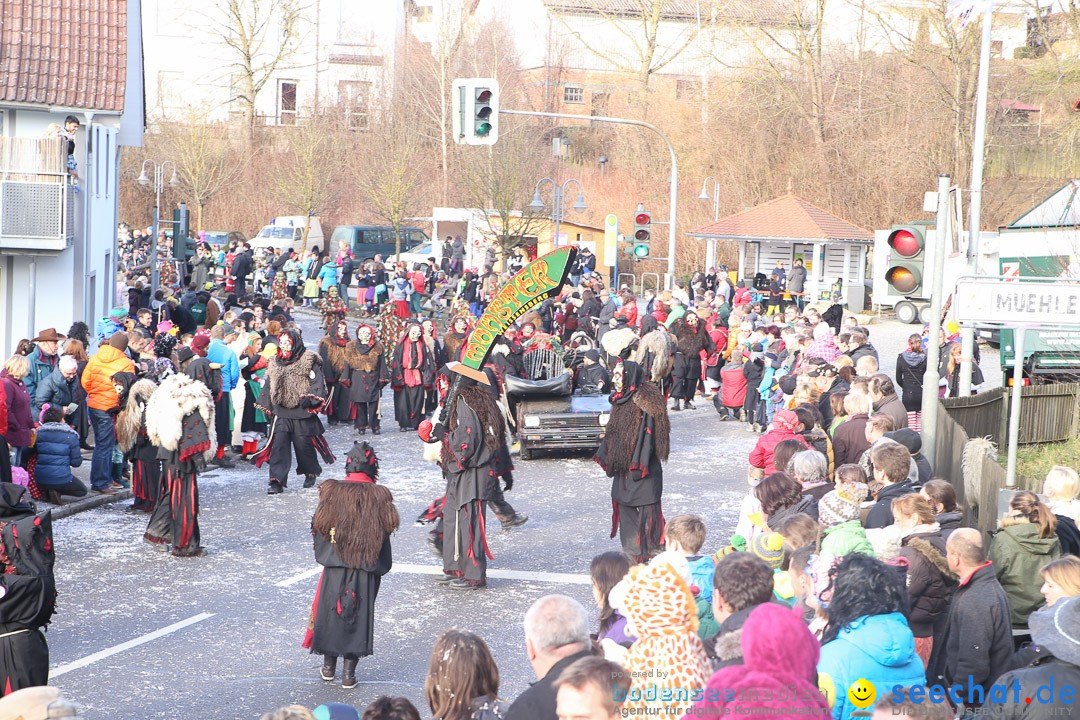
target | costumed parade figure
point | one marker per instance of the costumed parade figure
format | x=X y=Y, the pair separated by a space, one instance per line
x=412 y=374
x=636 y=442
x=455 y=338
x=351 y=529
x=332 y=352
x=253 y=421
x=296 y=390
x=431 y=339
x=691 y=337
x=134 y=442
x=471 y=438
x=655 y=353
x=279 y=289
x=365 y=366
x=180 y=422
x=332 y=308
x=27 y=590
x=502 y=465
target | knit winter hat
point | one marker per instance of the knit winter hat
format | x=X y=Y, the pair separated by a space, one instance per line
x=200 y=343
x=336 y=711
x=840 y=506
x=118 y=313
x=119 y=341
x=770 y=548
x=786 y=420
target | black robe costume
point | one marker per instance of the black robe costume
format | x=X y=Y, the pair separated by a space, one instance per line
x=180 y=420
x=410 y=397
x=689 y=342
x=365 y=366
x=438 y=352
x=29 y=590
x=636 y=443
x=471 y=442
x=295 y=392
x=332 y=352
x=355 y=553
x=134 y=442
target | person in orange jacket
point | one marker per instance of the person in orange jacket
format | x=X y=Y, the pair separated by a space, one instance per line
x=103 y=403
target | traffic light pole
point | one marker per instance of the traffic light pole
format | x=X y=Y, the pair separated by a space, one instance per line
x=933 y=342
x=673 y=200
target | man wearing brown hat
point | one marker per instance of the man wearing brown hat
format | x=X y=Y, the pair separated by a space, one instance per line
x=43 y=359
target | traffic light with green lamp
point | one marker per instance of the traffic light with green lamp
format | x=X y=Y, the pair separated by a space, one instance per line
x=642 y=233
x=907 y=256
x=475 y=111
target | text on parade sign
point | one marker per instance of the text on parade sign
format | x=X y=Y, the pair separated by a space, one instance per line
x=1017 y=302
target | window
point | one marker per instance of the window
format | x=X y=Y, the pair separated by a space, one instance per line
x=996 y=48
x=573 y=94
x=423 y=13
x=686 y=89
x=599 y=103
x=353 y=97
x=286 y=102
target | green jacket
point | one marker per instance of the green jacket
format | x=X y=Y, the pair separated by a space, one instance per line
x=707 y=625
x=1018 y=553
x=845 y=539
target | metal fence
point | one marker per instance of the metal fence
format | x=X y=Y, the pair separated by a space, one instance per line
x=971 y=466
x=1048 y=413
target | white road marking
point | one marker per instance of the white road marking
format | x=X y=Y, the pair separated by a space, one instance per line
x=116 y=649
x=528 y=575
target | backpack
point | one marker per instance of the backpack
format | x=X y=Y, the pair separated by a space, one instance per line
x=26 y=550
x=198 y=311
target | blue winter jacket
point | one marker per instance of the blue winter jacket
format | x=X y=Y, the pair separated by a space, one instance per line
x=58 y=451
x=328 y=276
x=218 y=352
x=877 y=648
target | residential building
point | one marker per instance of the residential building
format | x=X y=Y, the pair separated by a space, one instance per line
x=81 y=58
x=339 y=53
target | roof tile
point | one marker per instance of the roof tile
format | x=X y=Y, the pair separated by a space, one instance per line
x=68 y=53
x=787 y=216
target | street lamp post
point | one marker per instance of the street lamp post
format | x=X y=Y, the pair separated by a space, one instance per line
x=710 y=251
x=557 y=193
x=158 y=184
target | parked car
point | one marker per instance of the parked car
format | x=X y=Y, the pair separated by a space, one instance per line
x=418 y=255
x=367 y=241
x=288 y=232
x=224 y=237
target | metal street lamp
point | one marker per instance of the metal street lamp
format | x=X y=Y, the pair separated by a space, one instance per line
x=557 y=194
x=158 y=184
x=710 y=247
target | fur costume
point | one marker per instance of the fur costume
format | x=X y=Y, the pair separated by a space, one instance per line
x=487 y=410
x=625 y=422
x=617 y=343
x=691 y=340
x=364 y=362
x=453 y=342
x=359 y=516
x=658 y=347
x=130 y=420
x=334 y=354
x=177 y=397
x=290 y=382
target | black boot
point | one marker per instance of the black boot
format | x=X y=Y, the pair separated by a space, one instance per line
x=275 y=488
x=676 y=407
x=309 y=482
x=329 y=667
x=348 y=673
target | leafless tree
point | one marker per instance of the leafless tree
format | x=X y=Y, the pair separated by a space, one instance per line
x=264 y=36
x=306 y=176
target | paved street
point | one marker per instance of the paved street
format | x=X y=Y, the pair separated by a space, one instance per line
x=139 y=634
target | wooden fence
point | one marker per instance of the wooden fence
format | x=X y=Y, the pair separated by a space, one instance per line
x=971 y=466
x=1048 y=413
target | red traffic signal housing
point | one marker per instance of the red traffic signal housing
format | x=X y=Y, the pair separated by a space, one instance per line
x=905 y=271
x=642 y=218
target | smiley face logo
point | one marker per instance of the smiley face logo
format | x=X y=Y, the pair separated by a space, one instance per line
x=862 y=693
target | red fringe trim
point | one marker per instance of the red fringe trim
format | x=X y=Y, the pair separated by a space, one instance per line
x=195 y=449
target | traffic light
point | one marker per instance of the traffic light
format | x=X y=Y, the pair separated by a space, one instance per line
x=476 y=111
x=642 y=233
x=907 y=244
x=181 y=226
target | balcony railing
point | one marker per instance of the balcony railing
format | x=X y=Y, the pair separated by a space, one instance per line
x=37 y=197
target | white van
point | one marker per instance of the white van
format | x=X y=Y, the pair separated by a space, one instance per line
x=288 y=232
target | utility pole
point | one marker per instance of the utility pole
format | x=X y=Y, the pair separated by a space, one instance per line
x=933 y=341
x=967 y=332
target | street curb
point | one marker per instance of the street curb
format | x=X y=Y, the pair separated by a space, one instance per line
x=89 y=503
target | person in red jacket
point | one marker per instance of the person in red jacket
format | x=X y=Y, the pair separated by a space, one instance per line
x=732 y=390
x=629 y=309
x=784 y=426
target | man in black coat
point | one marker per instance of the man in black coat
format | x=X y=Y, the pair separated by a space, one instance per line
x=241 y=268
x=556 y=636
x=977 y=646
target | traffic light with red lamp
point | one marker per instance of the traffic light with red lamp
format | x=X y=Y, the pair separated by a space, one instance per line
x=642 y=233
x=907 y=258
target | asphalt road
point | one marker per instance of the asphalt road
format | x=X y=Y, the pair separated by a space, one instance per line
x=140 y=634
